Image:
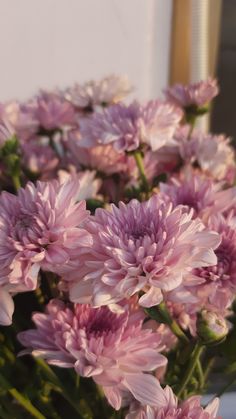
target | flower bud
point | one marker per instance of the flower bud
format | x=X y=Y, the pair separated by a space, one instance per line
x=212 y=328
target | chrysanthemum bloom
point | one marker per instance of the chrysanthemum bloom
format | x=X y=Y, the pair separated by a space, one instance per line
x=39 y=158
x=166 y=406
x=41 y=227
x=142 y=247
x=21 y=117
x=160 y=121
x=199 y=193
x=89 y=184
x=111 y=348
x=53 y=111
x=102 y=158
x=127 y=127
x=215 y=155
x=105 y=92
x=198 y=94
x=218 y=285
x=212 y=153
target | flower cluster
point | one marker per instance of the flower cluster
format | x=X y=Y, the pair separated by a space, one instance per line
x=118 y=232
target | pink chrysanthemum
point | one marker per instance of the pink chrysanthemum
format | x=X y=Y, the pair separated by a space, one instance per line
x=198 y=94
x=102 y=158
x=111 y=348
x=218 y=285
x=21 y=117
x=89 y=183
x=166 y=406
x=53 y=111
x=213 y=154
x=41 y=227
x=39 y=158
x=127 y=127
x=198 y=193
x=144 y=247
x=107 y=91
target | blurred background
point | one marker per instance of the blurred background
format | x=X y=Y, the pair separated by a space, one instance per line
x=51 y=43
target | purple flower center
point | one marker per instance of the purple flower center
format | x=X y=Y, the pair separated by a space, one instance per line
x=189 y=199
x=139 y=232
x=24 y=221
x=25 y=229
x=103 y=322
x=221 y=271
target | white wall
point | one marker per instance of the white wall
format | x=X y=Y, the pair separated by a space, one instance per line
x=44 y=43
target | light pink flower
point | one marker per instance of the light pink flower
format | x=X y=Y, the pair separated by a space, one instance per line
x=89 y=184
x=41 y=227
x=212 y=153
x=166 y=406
x=127 y=127
x=198 y=94
x=141 y=247
x=111 y=348
x=53 y=111
x=215 y=156
x=102 y=158
x=160 y=121
x=107 y=91
x=218 y=285
x=199 y=193
x=21 y=117
x=39 y=158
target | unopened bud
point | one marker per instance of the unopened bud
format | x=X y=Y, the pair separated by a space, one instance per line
x=211 y=327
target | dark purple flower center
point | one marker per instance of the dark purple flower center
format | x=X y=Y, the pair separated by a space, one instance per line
x=25 y=228
x=221 y=271
x=24 y=221
x=140 y=231
x=103 y=321
x=189 y=199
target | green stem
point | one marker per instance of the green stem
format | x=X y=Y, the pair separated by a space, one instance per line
x=25 y=403
x=52 y=377
x=161 y=314
x=191 y=367
x=200 y=374
x=178 y=332
x=16 y=181
x=139 y=162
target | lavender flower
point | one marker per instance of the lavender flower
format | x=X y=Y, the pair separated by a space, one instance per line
x=111 y=348
x=144 y=247
x=213 y=154
x=198 y=94
x=53 y=111
x=21 y=117
x=218 y=284
x=39 y=228
x=127 y=127
x=198 y=193
x=166 y=406
x=102 y=158
x=107 y=91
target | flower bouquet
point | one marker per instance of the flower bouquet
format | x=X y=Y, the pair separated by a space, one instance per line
x=117 y=255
